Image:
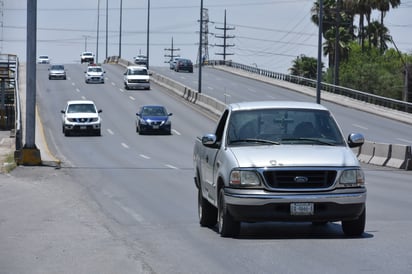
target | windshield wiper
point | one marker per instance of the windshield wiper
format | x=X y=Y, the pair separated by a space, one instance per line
x=309 y=139
x=251 y=140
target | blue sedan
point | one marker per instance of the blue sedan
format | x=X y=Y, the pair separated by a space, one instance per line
x=153 y=118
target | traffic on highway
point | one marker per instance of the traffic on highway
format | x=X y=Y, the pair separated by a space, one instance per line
x=124 y=202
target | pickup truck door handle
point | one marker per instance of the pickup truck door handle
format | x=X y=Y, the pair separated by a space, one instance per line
x=207 y=159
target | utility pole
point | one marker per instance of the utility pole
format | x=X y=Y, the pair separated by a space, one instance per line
x=120 y=28
x=172 y=53
x=199 y=83
x=107 y=28
x=319 y=64
x=98 y=30
x=225 y=37
x=203 y=54
x=30 y=153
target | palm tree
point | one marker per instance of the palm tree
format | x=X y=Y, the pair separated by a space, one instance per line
x=384 y=6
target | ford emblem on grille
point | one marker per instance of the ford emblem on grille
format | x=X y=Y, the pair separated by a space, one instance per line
x=301 y=179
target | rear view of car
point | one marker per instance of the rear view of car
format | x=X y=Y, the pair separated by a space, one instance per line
x=136 y=77
x=184 y=65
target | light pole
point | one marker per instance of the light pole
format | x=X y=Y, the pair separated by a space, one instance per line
x=107 y=27
x=148 y=29
x=97 y=34
x=85 y=41
x=120 y=31
x=319 y=73
x=199 y=87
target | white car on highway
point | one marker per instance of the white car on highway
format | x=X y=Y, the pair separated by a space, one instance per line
x=94 y=74
x=136 y=77
x=81 y=116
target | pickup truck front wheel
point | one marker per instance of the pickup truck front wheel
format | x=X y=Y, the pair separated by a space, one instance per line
x=355 y=227
x=228 y=227
x=207 y=212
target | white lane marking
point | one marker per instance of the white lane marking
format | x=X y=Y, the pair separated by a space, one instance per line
x=132 y=98
x=124 y=145
x=113 y=84
x=404 y=140
x=144 y=156
x=78 y=90
x=73 y=83
x=170 y=166
x=211 y=88
x=110 y=131
x=176 y=132
x=84 y=97
x=359 y=126
x=126 y=209
x=121 y=90
x=251 y=90
x=130 y=211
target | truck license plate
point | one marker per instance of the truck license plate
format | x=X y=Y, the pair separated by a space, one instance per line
x=83 y=127
x=155 y=127
x=301 y=208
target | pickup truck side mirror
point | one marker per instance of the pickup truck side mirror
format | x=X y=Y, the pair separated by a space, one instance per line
x=355 y=140
x=209 y=139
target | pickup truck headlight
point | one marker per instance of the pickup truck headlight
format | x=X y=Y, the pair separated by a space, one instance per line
x=352 y=178
x=244 y=178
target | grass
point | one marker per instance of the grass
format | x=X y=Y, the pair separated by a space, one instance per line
x=8 y=164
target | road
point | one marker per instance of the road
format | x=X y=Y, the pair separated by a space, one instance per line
x=126 y=203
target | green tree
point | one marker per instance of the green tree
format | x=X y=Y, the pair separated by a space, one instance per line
x=304 y=66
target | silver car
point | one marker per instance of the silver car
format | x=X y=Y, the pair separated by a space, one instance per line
x=57 y=72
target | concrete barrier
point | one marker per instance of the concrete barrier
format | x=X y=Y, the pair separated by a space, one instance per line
x=401 y=157
x=366 y=152
x=381 y=154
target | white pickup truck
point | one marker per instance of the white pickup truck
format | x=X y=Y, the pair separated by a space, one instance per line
x=279 y=161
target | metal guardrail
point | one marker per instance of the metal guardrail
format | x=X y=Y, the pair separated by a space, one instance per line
x=351 y=93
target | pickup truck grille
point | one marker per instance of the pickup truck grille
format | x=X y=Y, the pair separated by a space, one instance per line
x=300 y=179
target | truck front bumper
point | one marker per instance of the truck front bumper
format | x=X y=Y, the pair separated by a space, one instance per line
x=254 y=206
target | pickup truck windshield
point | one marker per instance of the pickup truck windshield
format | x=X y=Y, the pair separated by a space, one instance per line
x=283 y=126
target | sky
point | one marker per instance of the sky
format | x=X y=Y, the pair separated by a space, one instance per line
x=266 y=34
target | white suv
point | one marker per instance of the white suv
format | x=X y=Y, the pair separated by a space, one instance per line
x=94 y=74
x=87 y=57
x=136 y=77
x=81 y=116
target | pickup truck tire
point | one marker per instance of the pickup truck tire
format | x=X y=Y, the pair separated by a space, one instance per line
x=355 y=227
x=207 y=212
x=228 y=227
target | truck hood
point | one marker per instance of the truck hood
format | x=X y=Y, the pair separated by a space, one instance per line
x=294 y=155
x=82 y=115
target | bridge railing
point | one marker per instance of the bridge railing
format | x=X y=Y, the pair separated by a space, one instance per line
x=348 y=92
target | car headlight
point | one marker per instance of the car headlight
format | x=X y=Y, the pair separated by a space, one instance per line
x=71 y=119
x=352 y=178
x=143 y=122
x=94 y=119
x=244 y=178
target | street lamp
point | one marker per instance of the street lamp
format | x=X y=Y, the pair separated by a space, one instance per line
x=199 y=87
x=97 y=34
x=319 y=64
x=120 y=31
x=148 y=29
